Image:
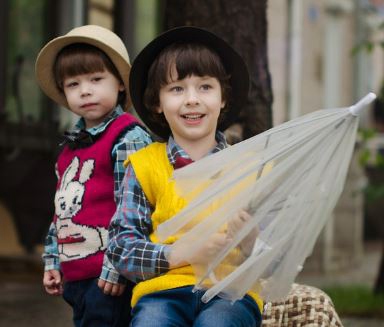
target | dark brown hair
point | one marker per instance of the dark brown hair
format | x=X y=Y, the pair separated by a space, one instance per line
x=81 y=58
x=189 y=59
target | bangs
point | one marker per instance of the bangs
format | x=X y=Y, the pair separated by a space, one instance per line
x=77 y=64
x=199 y=63
x=190 y=59
x=78 y=59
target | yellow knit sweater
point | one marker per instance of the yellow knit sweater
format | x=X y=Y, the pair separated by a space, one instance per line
x=153 y=171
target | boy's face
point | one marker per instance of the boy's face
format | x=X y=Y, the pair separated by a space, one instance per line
x=191 y=107
x=92 y=96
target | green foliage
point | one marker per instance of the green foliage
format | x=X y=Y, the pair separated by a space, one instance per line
x=356 y=301
x=371 y=159
x=367 y=46
x=366 y=156
x=367 y=133
x=374 y=192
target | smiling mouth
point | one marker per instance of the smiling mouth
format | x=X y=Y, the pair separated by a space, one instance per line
x=193 y=117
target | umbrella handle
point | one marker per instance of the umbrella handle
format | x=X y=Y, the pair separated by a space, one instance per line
x=357 y=107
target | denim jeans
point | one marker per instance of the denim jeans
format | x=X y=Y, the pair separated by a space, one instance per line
x=180 y=307
x=92 y=308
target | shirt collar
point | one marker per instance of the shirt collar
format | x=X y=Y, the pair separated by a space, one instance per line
x=174 y=150
x=102 y=126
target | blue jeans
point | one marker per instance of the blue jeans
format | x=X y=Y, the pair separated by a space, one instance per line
x=181 y=307
x=91 y=307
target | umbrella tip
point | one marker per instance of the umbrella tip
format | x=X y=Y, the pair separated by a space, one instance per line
x=357 y=107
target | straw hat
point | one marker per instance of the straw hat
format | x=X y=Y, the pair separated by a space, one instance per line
x=98 y=36
x=233 y=64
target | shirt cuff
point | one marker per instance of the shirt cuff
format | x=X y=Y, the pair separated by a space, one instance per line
x=51 y=264
x=110 y=274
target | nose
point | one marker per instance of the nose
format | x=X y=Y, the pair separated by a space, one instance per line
x=85 y=89
x=192 y=98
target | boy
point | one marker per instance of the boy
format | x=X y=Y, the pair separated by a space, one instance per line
x=188 y=85
x=87 y=72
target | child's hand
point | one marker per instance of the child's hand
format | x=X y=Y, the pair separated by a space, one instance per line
x=204 y=255
x=110 y=288
x=213 y=246
x=236 y=224
x=52 y=282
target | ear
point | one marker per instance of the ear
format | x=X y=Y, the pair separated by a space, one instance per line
x=158 y=110
x=223 y=103
x=70 y=173
x=121 y=87
x=87 y=170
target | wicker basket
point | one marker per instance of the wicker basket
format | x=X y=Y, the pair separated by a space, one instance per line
x=304 y=306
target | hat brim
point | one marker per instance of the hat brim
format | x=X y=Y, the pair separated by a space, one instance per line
x=45 y=61
x=233 y=63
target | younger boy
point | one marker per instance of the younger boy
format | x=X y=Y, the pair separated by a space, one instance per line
x=87 y=72
x=187 y=85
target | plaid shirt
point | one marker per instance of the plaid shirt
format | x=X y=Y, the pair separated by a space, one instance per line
x=133 y=140
x=130 y=249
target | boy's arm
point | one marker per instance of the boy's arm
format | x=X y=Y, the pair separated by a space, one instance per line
x=129 y=248
x=51 y=253
x=109 y=273
x=110 y=281
x=51 y=250
x=131 y=141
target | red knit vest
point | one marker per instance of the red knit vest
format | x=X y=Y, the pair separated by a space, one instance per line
x=84 y=202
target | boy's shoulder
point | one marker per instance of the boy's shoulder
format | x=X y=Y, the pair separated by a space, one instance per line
x=152 y=169
x=149 y=158
x=127 y=118
x=154 y=150
x=135 y=130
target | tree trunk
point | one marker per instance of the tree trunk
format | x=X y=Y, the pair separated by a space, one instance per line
x=242 y=23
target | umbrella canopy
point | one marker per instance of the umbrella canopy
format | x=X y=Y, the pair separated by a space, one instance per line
x=287 y=180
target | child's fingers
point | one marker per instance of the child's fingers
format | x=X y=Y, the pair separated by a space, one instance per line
x=117 y=289
x=101 y=283
x=51 y=277
x=52 y=282
x=110 y=288
x=216 y=243
x=244 y=216
x=234 y=225
x=107 y=289
x=54 y=289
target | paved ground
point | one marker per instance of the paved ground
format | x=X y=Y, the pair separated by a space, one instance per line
x=23 y=302
x=363 y=274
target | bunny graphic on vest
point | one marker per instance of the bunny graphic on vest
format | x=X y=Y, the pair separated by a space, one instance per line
x=68 y=202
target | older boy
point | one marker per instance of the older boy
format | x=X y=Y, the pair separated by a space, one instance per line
x=187 y=85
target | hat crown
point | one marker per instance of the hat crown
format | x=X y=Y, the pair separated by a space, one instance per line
x=101 y=34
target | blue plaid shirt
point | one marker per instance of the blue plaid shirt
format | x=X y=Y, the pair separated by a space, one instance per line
x=130 y=249
x=133 y=140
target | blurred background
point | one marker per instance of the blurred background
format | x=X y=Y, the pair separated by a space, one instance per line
x=303 y=55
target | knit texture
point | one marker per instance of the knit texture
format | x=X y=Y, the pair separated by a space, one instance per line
x=154 y=171
x=84 y=202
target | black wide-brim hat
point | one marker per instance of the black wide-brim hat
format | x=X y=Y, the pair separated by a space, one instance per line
x=232 y=62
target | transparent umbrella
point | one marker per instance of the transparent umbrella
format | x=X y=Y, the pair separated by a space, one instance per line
x=288 y=179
